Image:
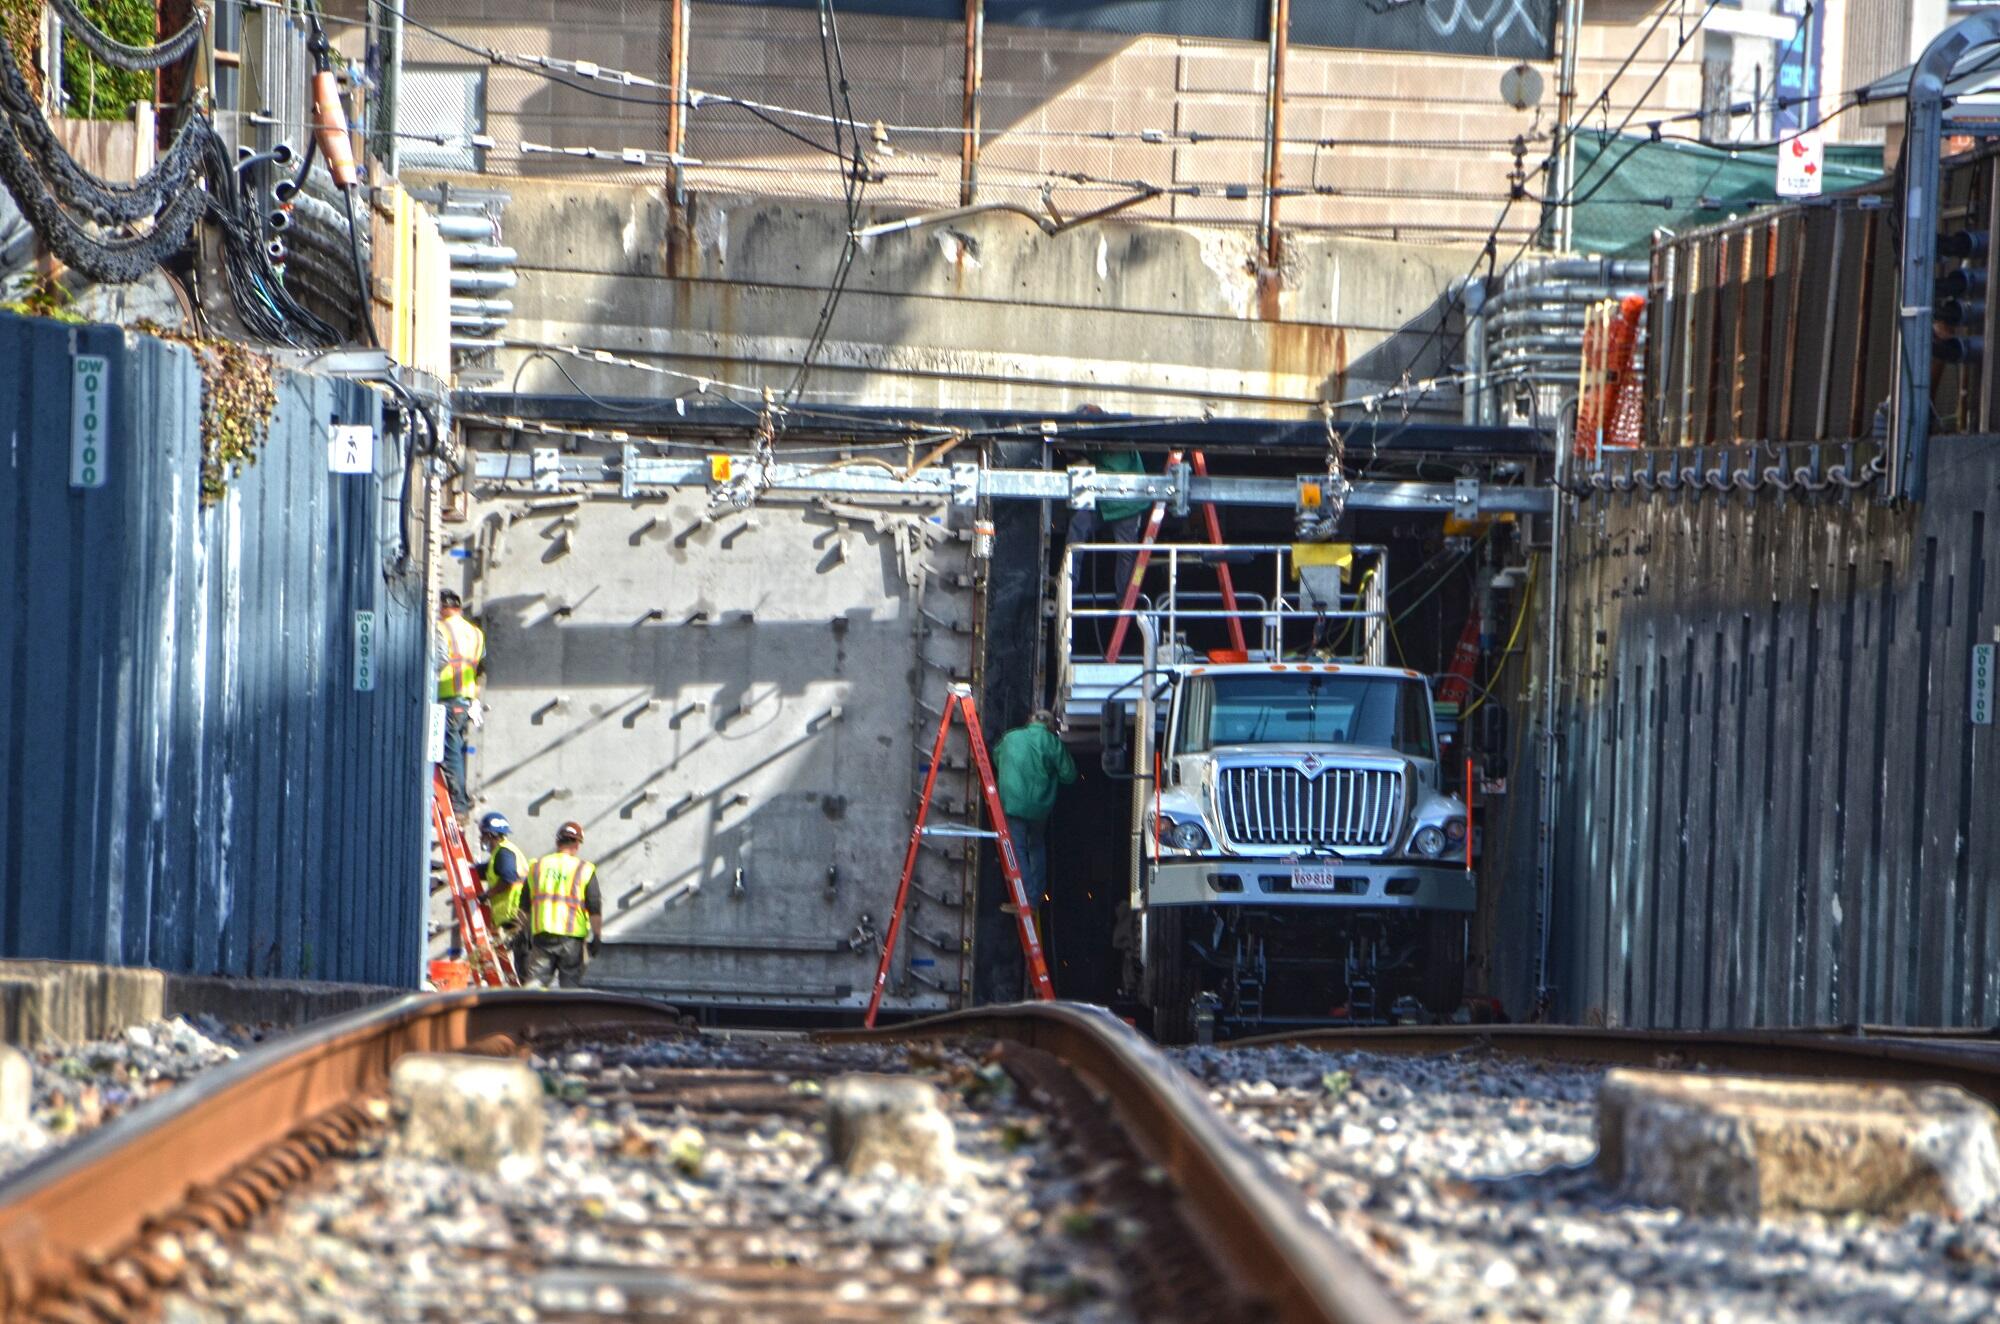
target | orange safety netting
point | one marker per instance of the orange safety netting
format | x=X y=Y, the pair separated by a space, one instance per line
x=1610 y=407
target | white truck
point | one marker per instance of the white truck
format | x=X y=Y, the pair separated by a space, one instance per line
x=1295 y=859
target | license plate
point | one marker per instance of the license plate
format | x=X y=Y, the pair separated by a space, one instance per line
x=1313 y=880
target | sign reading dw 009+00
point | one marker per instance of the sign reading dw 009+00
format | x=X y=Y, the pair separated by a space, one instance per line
x=89 y=418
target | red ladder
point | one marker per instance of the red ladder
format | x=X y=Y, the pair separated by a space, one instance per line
x=492 y=964
x=1151 y=538
x=960 y=701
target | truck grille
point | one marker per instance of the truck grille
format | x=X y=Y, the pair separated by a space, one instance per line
x=1342 y=807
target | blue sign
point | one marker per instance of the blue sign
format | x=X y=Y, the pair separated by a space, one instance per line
x=1798 y=74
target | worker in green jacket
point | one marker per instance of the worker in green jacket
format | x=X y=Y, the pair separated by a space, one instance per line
x=1110 y=521
x=1031 y=764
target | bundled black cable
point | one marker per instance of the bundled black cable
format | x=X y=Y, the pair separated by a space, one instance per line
x=268 y=310
x=105 y=202
x=122 y=56
x=48 y=184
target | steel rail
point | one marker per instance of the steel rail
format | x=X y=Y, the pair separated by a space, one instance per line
x=83 y=1204
x=83 y=1230
x=1263 y=1225
x=1969 y=1059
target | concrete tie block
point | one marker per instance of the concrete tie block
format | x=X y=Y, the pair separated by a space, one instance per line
x=45 y=1002
x=1751 y=1146
x=890 y=1121
x=17 y=1090
x=29 y=1009
x=481 y=1113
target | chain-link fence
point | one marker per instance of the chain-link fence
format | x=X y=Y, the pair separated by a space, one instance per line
x=1057 y=110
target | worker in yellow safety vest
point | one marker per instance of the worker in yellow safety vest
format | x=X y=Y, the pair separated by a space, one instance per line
x=505 y=875
x=460 y=652
x=565 y=912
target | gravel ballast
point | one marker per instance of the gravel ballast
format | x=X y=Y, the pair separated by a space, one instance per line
x=1465 y=1180
x=690 y=1178
x=80 y=1087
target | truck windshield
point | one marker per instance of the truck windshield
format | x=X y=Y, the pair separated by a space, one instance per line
x=1305 y=709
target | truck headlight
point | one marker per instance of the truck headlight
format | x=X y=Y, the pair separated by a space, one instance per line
x=1428 y=842
x=1188 y=836
x=1454 y=830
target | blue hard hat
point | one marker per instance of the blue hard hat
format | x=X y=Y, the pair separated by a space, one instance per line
x=495 y=825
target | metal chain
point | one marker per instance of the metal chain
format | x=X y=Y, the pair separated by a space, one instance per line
x=109 y=49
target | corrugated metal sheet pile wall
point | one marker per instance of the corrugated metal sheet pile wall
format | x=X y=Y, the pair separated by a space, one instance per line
x=1777 y=802
x=188 y=777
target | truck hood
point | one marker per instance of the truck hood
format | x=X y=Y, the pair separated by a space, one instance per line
x=1330 y=755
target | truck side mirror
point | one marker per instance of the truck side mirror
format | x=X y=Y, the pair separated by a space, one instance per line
x=1117 y=737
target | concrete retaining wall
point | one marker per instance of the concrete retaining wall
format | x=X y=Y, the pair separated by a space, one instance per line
x=43 y=1002
x=738 y=713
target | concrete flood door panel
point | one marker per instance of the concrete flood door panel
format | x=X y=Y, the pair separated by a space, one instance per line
x=739 y=711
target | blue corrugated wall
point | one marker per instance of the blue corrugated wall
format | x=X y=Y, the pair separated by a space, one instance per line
x=188 y=777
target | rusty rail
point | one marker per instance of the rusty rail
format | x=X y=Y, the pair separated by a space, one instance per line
x=83 y=1231
x=1262 y=1225
x=1969 y=1059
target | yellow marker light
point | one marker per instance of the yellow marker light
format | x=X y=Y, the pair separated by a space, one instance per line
x=720 y=468
x=1309 y=495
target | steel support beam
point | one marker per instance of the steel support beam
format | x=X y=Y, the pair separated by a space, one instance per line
x=550 y=469
x=638 y=414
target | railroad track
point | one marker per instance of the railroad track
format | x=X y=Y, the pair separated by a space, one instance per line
x=204 y=1193
x=1969 y=1059
x=1458 y=1163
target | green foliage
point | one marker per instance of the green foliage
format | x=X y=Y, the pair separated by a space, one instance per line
x=238 y=399
x=21 y=24
x=92 y=89
x=45 y=297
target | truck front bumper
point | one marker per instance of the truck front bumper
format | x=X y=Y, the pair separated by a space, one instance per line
x=1370 y=884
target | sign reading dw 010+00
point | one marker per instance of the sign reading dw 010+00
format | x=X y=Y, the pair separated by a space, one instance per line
x=89 y=418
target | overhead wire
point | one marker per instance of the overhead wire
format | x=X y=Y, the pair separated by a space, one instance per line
x=1564 y=133
x=853 y=184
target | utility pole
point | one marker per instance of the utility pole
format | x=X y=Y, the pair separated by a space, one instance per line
x=1557 y=222
x=677 y=71
x=975 y=76
x=678 y=234
x=384 y=116
x=1280 y=19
